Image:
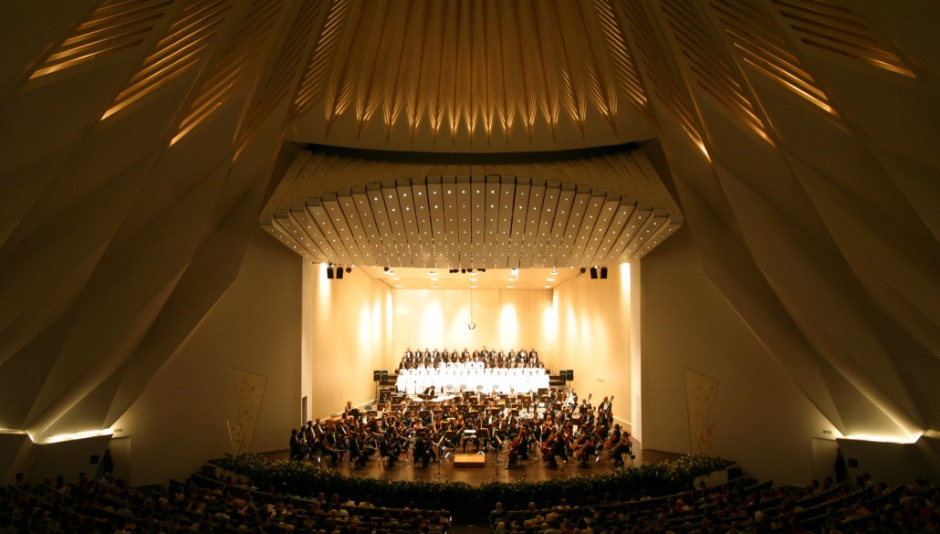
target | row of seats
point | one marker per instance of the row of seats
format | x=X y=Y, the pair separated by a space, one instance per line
x=740 y=506
x=204 y=503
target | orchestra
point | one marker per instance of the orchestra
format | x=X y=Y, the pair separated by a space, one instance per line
x=551 y=424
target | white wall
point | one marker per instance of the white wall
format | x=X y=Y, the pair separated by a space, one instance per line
x=347 y=332
x=593 y=336
x=180 y=420
x=762 y=419
x=505 y=319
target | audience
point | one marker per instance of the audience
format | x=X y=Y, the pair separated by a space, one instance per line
x=212 y=502
x=738 y=507
x=205 y=503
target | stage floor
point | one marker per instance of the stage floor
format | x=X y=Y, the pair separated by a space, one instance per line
x=493 y=469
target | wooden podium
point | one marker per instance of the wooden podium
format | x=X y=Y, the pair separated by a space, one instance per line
x=469 y=460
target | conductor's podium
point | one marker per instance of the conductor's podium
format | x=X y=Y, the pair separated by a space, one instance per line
x=469 y=460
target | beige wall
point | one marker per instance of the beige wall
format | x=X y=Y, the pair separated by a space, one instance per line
x=582 y=325
x=593 y=336
x=347 y=328
x=505 y=319
x=762 y=420
x=180 y=420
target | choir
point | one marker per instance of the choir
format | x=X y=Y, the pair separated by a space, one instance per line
x=486 y=371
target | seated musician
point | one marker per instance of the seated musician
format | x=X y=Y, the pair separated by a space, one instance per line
x=388 y=448
x=586 y=448
x=360 y=447
x=556 y=445
x=309 y=438
x=297 y=449
x=519 y=448
x=357 y=455
x=423 y=450
x=613 y=440
x=624 y=447
x=330 y=444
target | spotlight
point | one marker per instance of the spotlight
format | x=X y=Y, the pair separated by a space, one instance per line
x=603 y=273
x=339 y=273
x=593 y=273
x=463 y=271
x=386 y=269
x=583 y=270
x=471 y=326
x=329 y=273
x=482 y=270
x=349 y=269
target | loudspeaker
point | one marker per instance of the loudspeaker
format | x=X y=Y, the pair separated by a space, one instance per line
x=339 y=273
x=384 y=374
x=603 y=273
x=329 y=273
x=376 y=375
x=593 y=273
x=569 y=374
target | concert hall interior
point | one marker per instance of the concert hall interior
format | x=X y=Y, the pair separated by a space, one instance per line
x=218 y=218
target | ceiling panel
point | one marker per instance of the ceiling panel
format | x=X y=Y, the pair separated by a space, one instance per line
x=484 y=217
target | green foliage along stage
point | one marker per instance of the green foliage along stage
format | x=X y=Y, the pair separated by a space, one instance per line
x=307 y=479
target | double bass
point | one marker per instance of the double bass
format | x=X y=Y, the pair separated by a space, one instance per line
x=516 y=447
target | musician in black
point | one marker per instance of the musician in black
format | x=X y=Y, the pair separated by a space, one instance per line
x=519 y=448
x=624 y=447
x=388 y=448
x=605 y=410
x=330 y=445
x=298 y=451
x=559 y=448
x=423 y=450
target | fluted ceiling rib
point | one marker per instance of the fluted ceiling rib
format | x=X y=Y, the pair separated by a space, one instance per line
x=138 y=139
x=471 y=76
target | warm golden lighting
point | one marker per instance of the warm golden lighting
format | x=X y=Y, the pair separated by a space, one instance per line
x=880 y=438
x=508 y=325
x=74 y=436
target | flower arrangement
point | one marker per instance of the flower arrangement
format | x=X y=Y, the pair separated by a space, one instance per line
x=300 y=478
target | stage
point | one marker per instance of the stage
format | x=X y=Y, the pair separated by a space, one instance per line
x=534 y=469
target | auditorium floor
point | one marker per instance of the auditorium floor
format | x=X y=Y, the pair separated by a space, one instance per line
x=492 y=469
